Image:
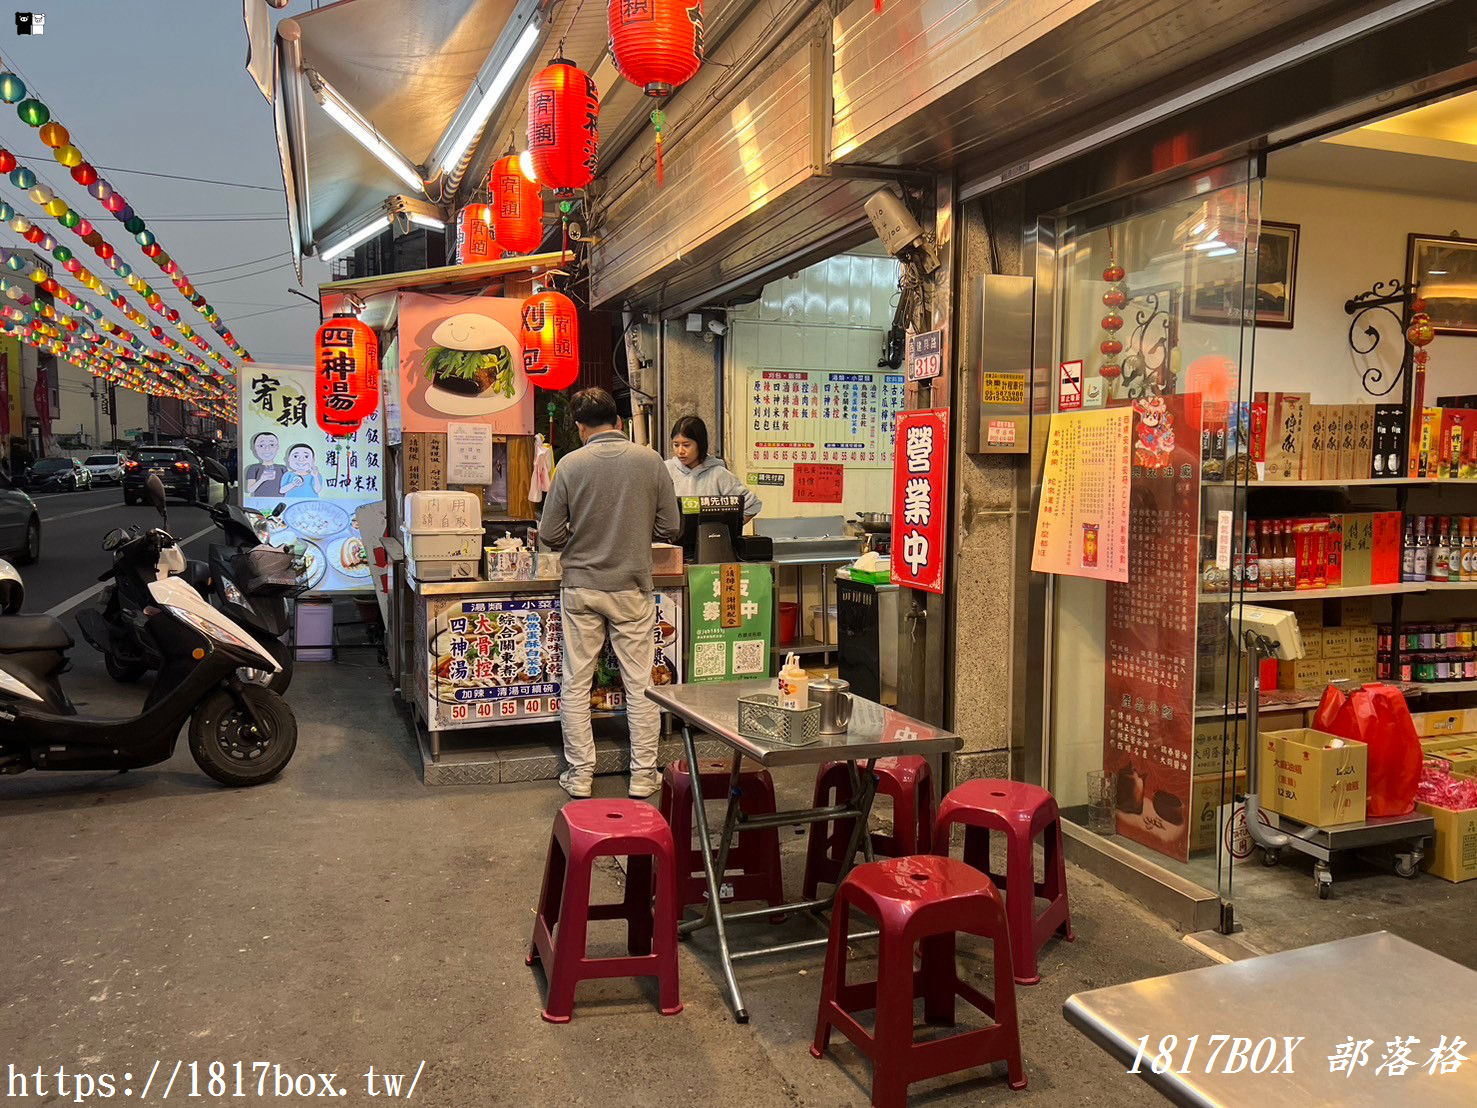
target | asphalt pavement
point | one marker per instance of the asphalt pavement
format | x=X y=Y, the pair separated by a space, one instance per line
x=72 y=528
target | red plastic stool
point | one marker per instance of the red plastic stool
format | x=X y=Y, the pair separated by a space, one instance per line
x=923 y=900
x=585 y=830
x=753 y=859
x=1023 y=812
x=909 y=782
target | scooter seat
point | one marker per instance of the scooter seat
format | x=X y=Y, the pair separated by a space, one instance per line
x=18 y=633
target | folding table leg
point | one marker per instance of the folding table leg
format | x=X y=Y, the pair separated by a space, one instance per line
x=705 y=846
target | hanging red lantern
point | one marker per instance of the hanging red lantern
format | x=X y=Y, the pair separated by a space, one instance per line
x=474 y=241
x=656 y=44
x=348 y=361
x=550 y=334
x=517 y=207
x=563 y=126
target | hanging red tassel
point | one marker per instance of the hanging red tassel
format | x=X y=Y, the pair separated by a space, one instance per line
x=659 y=121
x=878 y=6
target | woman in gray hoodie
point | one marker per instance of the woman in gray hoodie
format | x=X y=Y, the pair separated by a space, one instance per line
x=694 y=473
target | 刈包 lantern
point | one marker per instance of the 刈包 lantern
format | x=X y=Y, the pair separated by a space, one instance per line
x=517 y=207
x=474 y=236
x=348 y=367
x=656 y=44
x=563 y=126
x=550 y=334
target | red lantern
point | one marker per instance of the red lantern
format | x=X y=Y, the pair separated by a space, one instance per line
x=517 y=207
x=348 y=359
x=563 y=126
x=550 y=334
x=474 y=241
x=657 y=44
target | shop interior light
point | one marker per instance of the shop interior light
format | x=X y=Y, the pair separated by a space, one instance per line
x=1208 y=244
x=420 y=219
x=492 y=96
x=354 y=238
x=346 y=116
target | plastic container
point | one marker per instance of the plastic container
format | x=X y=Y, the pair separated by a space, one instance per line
x=823 y=630
x=442 y=544
x=789 y=622
x=443 y=569
x=314 y=631
x=436 y=511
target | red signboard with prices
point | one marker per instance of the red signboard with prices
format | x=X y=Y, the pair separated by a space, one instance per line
x=920 y=486
x=817 y=483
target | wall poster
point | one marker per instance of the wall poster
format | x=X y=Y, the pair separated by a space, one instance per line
x=1149 y=693
x=726 y=653
x=307 y=482
x=814 y=415
x=460 y=360
x=1082 y=528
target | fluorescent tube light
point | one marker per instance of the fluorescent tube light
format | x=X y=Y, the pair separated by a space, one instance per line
x=423 y=220
x=344 y=114
x=497 y=88
x=354 y=238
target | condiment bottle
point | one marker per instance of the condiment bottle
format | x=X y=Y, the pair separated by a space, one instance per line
x=794 y=686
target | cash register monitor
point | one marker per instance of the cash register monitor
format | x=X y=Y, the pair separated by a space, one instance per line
x=712 y=528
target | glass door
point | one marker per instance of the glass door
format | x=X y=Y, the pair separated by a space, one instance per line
x=1150 y=452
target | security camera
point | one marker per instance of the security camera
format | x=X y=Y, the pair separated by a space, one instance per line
x=896 y=227
x=717 y=326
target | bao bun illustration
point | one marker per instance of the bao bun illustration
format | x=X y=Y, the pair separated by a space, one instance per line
x=471 y=354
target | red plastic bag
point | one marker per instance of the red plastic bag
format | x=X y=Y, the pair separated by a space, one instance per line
x=1378 y=717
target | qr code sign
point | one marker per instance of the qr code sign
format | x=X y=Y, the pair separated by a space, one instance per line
x=708 y=659
x=748 y=656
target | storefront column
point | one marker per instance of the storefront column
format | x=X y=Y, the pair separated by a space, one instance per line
x=690 y=383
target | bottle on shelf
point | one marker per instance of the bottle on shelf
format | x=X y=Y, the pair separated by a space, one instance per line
x=1252 y=568
x=1407 y=551
x=1440 y=549
x=1238 y=565
x=1422 y=549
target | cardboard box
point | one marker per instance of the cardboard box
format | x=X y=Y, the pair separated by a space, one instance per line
x=1363 y=670
x=1357 y=611
x=1311 y=675
x=1308 y=613
x=1349 y=441
x=1426 y=442
x=1442 y=724
x=1363 y=442
x=1207 y=794
x=1336 y=642
x=1358 y=530
x=1312 y=642
x=1318 y=452
x=1336 y=669
x=1287 y=436
x=1303 y=778
x=1364 y=641
x=1285 y=720
x=1453 y=852
x=1462 y=759
x=1390 y=445
x=1208 y=751
x=1431 y=747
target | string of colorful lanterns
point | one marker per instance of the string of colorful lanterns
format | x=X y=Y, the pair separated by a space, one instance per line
x=658 y=46
x=34 y=113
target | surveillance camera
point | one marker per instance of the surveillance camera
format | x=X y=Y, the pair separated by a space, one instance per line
x=717 y=326
x=896 y=227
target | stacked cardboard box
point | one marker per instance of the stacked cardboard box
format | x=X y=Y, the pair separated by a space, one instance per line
x=1304 y=776
x=1321 y=442
x=1443 y=443
x=1346 y=652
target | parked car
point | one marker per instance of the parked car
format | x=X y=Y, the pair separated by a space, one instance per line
x=179 y=469
x=59 y=475
x=20 y=523
x=106 y=469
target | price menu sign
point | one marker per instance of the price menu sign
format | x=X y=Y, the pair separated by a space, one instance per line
x=810 y=415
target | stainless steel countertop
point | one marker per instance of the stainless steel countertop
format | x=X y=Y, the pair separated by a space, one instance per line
x=1373 y=987
x=876 y=732
x=504 y=588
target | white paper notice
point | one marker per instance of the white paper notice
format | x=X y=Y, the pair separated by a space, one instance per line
x=468 y=454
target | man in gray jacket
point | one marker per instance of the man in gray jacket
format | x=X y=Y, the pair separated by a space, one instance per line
x=610 y=500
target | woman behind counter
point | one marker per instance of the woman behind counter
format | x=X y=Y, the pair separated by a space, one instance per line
x=694 y=473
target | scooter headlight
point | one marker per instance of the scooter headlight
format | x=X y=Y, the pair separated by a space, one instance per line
x=233 y=594
x=209 y=630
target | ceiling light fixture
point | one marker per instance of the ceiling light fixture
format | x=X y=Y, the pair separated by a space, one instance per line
x=348 y=117
x=354 y=238
x=503 y=65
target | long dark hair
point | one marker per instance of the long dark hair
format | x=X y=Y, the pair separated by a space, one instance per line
x=692 y=427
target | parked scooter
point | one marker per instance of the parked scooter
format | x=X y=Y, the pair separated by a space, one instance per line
x=239 y=734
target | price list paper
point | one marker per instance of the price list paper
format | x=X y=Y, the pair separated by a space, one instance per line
x=1149 y=684
x=1082 y=529
x=808 y=415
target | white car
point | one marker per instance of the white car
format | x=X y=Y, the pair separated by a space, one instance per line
x=106 y=469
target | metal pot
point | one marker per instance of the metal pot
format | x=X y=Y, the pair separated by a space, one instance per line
x=834 y=697
x=873 y=523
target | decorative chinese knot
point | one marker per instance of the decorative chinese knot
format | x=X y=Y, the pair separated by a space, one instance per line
x=550 y=333
x=348 y=367
x=517 y=207
x=657 y=44
x=563 y=126
x=1114 y=297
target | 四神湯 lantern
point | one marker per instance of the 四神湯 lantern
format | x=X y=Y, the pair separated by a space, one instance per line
x=563 y=126
x=517 y=207
x=550 y=334
x=474 y=238
x=656 y=44
x=348 y=369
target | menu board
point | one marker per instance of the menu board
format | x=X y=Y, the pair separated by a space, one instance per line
x=492 y=659
x=815 y=415
x=307 y=482
x=1149 y=692
x=1082 y=529
x=732 y=617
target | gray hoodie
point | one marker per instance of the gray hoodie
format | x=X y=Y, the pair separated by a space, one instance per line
x=710 y=477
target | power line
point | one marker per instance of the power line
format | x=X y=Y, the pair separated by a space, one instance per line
x=242 y=265
x=197 y=180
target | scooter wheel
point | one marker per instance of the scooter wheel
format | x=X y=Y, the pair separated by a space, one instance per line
x=278 y=681
x=125 y=673
x=230 y=747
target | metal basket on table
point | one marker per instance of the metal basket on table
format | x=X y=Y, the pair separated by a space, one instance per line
x=761 y=717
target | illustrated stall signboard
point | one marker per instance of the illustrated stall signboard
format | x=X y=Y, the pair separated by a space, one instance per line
x=1149 y=687
x=731 y=620
x=812 y=415
x=460 y=361
x=306 y=482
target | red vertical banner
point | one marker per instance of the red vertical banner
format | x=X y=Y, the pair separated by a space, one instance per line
x=1149 y=701
x=920 y=489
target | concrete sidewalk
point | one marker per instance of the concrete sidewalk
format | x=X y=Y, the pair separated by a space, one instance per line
x=347 y=916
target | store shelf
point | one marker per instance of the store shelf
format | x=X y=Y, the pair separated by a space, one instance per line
x=1362 y=483
x=1317 y=594
x=1447 y=686
x=1443 y=586
x=804 y=646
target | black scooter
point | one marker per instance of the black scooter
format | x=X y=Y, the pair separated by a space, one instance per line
x=251 y=581
x=239 y=734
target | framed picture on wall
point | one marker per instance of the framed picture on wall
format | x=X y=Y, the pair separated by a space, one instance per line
x=1219 y=300
x=1445 y=269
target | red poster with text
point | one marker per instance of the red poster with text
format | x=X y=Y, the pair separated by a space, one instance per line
x=920 y=487
x=818 y=483
x=1149 y=701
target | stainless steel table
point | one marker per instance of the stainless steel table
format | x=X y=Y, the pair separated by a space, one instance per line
x=875 y=732
x=1338 y=994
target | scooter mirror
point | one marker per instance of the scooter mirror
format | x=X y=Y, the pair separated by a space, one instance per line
x=154 y=493
x=215 y=471
x=115 y=538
